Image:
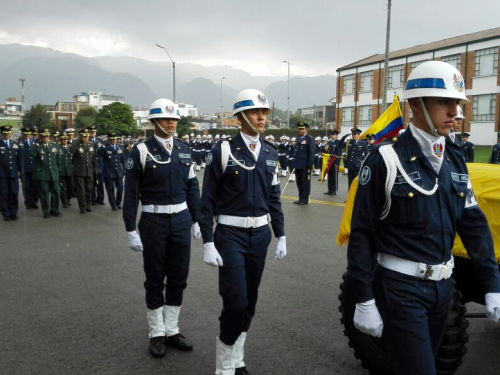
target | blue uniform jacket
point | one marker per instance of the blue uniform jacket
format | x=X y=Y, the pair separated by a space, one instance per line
x=98 y=143
x=334 y=149
x=11 y=160
x=27 y=159
x=304 y=152
x=159 y=184
x=356 y=152
x=495 y=154
x=113 y=160
x=239 y=192
x=419 y=228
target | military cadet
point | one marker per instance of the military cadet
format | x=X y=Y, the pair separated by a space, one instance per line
x=11 y=168
x=113 y=170
x=495 y=152
x=98 y=188
x=468 y=148
x=160 y=174
x=456 y=131
x=304 y=163
x=356 y=150
x=84 y=166
x=46 y=174
x=411 y=220
x=241 y=189
x=30 y=191
x=291 y=159
x=65 y=171
x=282 y=155
x=370 y=140
x=317 y=160
x=334 y=151
x=70 y=132
x=55 y=137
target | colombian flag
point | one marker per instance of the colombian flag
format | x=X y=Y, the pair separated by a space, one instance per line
x=388 y=124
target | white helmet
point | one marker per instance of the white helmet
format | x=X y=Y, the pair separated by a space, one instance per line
x=271 y=137
x=163 y=108
x=209 y=136
x=460 y=113
x=217 y=136
x=317 y=139
x=293 y=139
x=191 y=135
x=198 y=136
x=250 y=99
x=435 y=79
x=324 y=138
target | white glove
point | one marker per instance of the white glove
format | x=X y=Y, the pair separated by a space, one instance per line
x=211 y=255
x=196 y=231
x=134 y=241
x=367 y=318
x=493 y=306
x=280 y=248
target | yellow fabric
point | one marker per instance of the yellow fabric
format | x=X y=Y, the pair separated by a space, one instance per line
x=485 y=180
x=324 y=164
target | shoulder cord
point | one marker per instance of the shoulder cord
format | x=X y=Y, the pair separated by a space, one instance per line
x=393 y=165
x=226 y=154
x=144 y=152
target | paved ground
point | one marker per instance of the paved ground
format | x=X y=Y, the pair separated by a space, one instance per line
x=72 y=301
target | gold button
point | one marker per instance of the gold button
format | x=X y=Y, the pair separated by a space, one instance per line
x=154 y=166
x=410 y=194
x=236 y=172
x=394 y=139
x=462 y=194
x=413 y=158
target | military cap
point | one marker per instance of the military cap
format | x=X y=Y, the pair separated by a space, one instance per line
x=85 y=132
x=26 y=130
x=466 y=135
x=6 y=129
x=63 y=137
x=302 y=125
x=34 y=130
x=370 y=136
x=56 y=135
x=334 y=132
x=69 y=131
x=356 y=131
x=92 y=128
x=45 y=133
x=112 y=135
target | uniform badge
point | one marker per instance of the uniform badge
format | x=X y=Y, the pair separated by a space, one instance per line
x=252 y=146
x=437 y=149
x=91 y=149
x=458 y=82
x=130 y=163
x=54 y=150
x=14 y=146
x=209 y=158
x=120 y=151
x=303 y=142
x=262 y=99
x=170 y=109
x=365 y=175
x=168 y=146
x=80 y=150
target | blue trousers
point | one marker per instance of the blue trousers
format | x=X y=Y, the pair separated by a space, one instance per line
x=414 y=312
x=166 y=240
x=9 y=190
x=243 y=253
x=303 y=177
x=112 y=184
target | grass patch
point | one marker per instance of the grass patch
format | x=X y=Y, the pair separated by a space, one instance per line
x=482 y=154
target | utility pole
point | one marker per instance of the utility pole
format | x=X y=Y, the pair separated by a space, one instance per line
x=22 y=80
x=288 y=98
x=386 y=62
x=173 y=66
x=221 y=109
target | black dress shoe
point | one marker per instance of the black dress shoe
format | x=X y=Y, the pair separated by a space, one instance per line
x=113 y=208
x=241 y=371
x=55 y=213
x=46 y=216
x=34 y=206
x=302 y=203
x=6 y=219
x=89 y=209
x=119 y=206
x=180 y=342
x=157 y=346
x=28 y=207
x=69 y=203
x=82 y=211
x=65 y=206
x=296 y=202
x=94 y=203
x=101 y=203
x=14 y=217
x=328 y=193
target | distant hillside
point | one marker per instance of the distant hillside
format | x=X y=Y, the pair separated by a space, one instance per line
x=55 y=76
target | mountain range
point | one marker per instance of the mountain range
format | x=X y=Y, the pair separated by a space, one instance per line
x=53 y=76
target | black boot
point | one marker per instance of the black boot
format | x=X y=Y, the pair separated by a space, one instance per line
x=241 y=371
x=157 y=346
x=180 y=342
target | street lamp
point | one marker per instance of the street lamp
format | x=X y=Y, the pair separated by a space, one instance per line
x=221 y=111
x=288 y=109
x=173 y=65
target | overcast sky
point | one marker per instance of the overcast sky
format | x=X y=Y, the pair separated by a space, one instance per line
x=316 y=36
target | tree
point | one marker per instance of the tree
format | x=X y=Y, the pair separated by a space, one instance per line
x=116 y=117
x=38 y=116
x=184 y=126
x=86 y=117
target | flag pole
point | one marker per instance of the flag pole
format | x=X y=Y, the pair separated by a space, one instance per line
x=386 y=61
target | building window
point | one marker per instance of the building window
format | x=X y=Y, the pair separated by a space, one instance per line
x=365 y=115
x=416 y=63
x=486 y=62
x=483 y=108
x=454 y=60
x=348 y=116
x=349 y=84
x=366 y=82
x=396 y=76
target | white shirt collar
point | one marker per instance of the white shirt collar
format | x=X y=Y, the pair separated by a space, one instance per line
x=164 y=141
x=252 y=140
x=432 y=146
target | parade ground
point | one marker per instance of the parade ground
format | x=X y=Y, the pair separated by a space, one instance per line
x=72 y=300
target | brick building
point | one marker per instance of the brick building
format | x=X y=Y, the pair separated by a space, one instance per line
x=476 y=55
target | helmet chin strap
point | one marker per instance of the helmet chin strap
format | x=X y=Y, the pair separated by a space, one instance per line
x=428 y=118
x=161 y=128
x=250 y=124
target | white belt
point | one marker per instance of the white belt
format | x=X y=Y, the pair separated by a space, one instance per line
x=164 y=209
x=421 y=270
x=243 y=222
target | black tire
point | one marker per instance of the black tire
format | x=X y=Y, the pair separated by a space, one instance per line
x=372 y=351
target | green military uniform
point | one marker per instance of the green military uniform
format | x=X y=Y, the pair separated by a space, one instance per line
x=46 y=174
x=84 y=166
x=65 y=173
